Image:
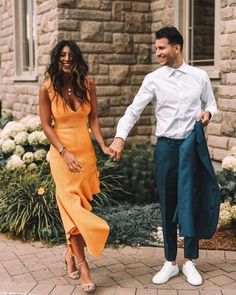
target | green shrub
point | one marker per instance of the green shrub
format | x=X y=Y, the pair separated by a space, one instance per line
x=111 y=181
x=131 y=225
x=6 y=117
x=28 y=207
x=135 y=171
x=137 y=165
x=227 y=182
x=29 y=210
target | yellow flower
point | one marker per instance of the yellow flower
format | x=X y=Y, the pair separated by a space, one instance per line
x=41 y=191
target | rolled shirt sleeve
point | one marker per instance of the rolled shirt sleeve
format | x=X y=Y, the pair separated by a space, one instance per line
x=133 y=112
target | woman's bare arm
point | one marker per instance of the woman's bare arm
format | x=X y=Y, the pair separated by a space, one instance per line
x=93 y=119
x=46 y=117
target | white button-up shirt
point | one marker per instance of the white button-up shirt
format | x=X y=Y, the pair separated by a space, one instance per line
x=179 y=96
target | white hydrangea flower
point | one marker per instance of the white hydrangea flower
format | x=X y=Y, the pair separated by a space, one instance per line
x=34 y=138
x=28 y=157
x=31 y=166
x=37 y=137
x=233 y=151
x=233 y=212
x=19 y=150
x=229 y=163
x=225 y=206
x=40 y=155
x=8 y=146
x=48 y=156
x=11 y=129
x=225 y=218
x=21 y=138
x=32 y=123
x=43 y=139
x=15 y=162
x=1 y=141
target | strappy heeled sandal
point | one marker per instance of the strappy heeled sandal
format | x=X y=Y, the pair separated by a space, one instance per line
x=74 y=275
x=90 y=287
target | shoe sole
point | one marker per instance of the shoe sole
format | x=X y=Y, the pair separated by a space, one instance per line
x=171 y=276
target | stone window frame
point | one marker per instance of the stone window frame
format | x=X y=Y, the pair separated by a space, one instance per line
x=214 y=70
x=20 y=73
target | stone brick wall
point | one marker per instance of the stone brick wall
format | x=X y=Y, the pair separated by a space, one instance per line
x=116 y=37
x=222 y=131
x=7 y=56
x=22 y=96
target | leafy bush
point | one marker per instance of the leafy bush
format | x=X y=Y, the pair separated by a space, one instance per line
x=227 y=178
x=131 y=225
x=29 y=211
x=137 y=165
x=111 y=181
x=6 y=117
x=136 y=172
x=28 y=207
x=227 y=182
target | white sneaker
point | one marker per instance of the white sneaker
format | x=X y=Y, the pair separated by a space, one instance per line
x=193 y=276
x=167 y=271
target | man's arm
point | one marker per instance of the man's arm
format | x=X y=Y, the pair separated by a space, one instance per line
x=208 y=102
x=131 y=116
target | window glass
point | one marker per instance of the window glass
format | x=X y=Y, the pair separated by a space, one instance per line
x=201 y=32
x=25 y=36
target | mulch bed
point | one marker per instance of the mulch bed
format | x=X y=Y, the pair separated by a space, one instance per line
x=224 y=239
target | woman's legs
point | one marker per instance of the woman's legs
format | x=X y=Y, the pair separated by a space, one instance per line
x=71 y=265
x=78 y=245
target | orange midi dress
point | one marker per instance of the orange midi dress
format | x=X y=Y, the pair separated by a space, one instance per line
x=75 y=190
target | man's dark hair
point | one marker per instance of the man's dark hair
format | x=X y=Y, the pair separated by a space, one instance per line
x=172 y=34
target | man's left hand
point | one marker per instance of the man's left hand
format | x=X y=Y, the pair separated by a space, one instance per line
x=205 y=118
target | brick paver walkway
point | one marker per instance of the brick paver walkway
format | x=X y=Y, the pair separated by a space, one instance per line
x=31 y=268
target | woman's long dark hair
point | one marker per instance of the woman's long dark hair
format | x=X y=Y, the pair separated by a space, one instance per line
x=78 y=74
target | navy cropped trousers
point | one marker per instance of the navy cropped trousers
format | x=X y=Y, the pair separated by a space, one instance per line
x=166 y=159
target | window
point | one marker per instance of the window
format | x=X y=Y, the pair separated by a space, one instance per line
x=198 y=21
x=25 y=39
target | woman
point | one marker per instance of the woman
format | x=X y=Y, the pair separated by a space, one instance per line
x=68 y=98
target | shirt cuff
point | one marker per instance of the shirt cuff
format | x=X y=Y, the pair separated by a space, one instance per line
x=212 y=111
x=121 y=134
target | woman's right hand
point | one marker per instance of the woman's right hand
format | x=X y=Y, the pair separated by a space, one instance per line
x=72 y=163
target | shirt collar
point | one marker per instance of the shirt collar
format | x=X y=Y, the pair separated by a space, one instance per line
x=183 y=68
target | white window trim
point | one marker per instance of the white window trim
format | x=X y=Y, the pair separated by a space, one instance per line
x=21 y=75
x=212 y=71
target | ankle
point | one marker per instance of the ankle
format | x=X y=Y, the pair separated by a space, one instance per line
x=82 y=262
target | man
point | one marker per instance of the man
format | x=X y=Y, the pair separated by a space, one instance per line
x=181 y=94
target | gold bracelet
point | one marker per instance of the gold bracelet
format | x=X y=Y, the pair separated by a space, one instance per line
x=62 y=151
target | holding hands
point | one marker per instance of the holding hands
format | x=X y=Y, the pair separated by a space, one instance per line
x=106 y=150
x=114 y=151
x=117 y=147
